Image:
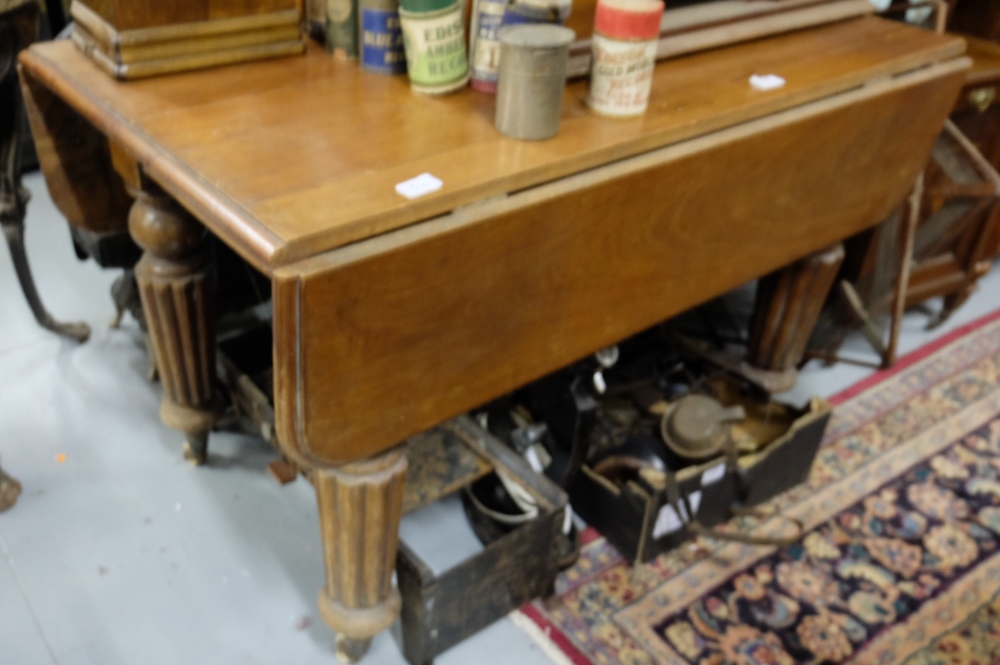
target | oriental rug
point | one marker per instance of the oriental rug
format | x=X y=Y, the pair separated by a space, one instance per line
x=899 y=562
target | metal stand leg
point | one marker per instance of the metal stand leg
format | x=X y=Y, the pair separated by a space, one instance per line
x=12 y=221
x=14 y=197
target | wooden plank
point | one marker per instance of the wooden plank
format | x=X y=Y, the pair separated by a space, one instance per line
x=331 y=166
x=710 y=25
x=393 y=335
x=678 y=38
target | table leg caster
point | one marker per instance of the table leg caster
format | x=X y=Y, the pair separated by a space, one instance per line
x=10 y=489
x=351 y=650
x=196 y=448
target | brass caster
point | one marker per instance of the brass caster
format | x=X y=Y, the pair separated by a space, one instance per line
x=196 y=448
x=10 y=489
x=351 y=650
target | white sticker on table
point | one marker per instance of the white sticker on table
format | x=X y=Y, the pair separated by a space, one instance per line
x=766 y=82
x=422 y=185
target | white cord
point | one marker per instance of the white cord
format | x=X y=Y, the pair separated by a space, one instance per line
x=524 y=500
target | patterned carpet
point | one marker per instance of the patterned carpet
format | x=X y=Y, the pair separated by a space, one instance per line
x=900 y=562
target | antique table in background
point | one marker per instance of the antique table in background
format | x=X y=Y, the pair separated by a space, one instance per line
x=390 y=315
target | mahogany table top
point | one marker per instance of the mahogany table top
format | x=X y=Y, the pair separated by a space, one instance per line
x=290 y=158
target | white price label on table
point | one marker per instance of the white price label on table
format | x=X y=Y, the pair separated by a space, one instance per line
x=422 y=185
x=766 y=82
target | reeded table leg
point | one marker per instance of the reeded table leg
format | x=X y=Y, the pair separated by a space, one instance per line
x=360 y=505
x=176 y=287
x=788 y=305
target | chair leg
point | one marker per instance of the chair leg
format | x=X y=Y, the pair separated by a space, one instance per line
x=12 y=221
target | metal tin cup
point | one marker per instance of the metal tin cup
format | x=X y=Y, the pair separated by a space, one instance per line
x=532 y=78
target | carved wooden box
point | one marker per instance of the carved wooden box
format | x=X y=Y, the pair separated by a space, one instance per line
x=137 y=38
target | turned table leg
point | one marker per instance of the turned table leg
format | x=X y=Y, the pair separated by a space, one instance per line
x=788 y=305
x=360 y=505
x=176 y=287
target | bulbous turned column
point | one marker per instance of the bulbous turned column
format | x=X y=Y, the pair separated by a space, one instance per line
x=360 y=506
x=177 y=291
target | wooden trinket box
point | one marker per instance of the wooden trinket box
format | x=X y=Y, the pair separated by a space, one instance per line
x=439 y=610
x=638 y=517
x=137 y=38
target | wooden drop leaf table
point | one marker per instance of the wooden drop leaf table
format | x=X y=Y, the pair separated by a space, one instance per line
x=391 y=315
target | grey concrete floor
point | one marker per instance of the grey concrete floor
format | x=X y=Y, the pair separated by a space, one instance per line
x=120 y=553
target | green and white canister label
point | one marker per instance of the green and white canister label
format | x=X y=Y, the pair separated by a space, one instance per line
x=435 y=49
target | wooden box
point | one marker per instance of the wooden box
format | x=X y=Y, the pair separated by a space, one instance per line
x=137 y=38
x=637 y=517
x=439 y=611
x=639 y=520
x=787 y=461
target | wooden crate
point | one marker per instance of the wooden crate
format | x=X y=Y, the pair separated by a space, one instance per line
x=137 y=38
x=441 y=610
